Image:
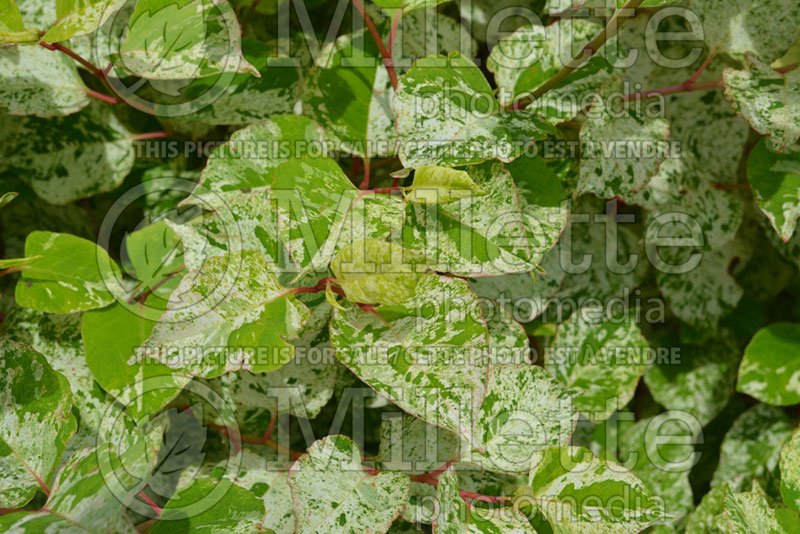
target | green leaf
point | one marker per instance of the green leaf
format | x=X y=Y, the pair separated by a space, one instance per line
x=249 y=159
x=770 y=369
x=320 y=211
x=751 y=513
x=506 y=231
x=525 y=411
x=664 y=464
x=71 y=274
x=351 y=500
x=376 y=272
x=621 y=148
x=702 y=519
x=37 y=422
x=433 y=185
x=532 y=54
x=769 y=100
x=696 y=378
x=73 y=157
x=244 y=98
x=407 y=6
x=41 y=82
x=12 y=28
x=790 y=472
x=765 y=27
x=237 y=511
x=79 y=17
x=406 y=353
x=752 y=445
x=776 y=186
x=349 y=93
x=192 y=39
x=577 y=493
x=6 y=198
x=601 y=357
x=456 y=517
x=461 y=124
x=701 y=296
x=232 y=314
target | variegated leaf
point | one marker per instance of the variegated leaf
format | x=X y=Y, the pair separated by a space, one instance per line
x=352 y=499
x=70 y=274
x=455 y=516
x=696 y=378
x=751 y=513
x=770 y=369
x=433 y=184
x=37 y=422
x=790 y=472
x=579 y=493
x=74 y=157
x=232 y=314
x=79 y=17
x=167 y=40
x=37 y=81
x=752 y=445
x=438 y=129
x=621 y=149
x=407 y=6
x=769 y=100
x=775 y=178
x=408 y=353
x=765 y=27
x=601 y=357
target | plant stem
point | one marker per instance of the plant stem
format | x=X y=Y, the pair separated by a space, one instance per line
x=679 y=88
x=588 y=51
x=701 y=69
x=365 y=183
x=149 y=135
x=387 y=57
x=156 y=508
x=61 y=48
x=101 y=96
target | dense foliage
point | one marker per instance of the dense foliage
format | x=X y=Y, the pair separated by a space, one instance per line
x=485 y=266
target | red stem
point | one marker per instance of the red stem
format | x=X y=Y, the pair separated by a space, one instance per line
x=701 y=69
x=149 y=135
x=101 y=96
x=387 y=57
x=680 y=88
x=365 y=182
x=156 y=508
x=393 y=33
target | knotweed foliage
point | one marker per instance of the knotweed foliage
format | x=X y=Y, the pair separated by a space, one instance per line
x=351 y=266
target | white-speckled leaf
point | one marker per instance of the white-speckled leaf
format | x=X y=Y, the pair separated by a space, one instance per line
x=664 y=464
x=531 y=55
x=579 y=493
x=751 y=513
x=509 y=230
x=66 y=158
x=790 y=472
x=79 y=17
x=351 y=499
x=701 y=520
x=765 y=27
x=71 y=274
x=37 y=422
x=775 y=178
x=239 y=511
x=407 y=6
x=244 y=98
x=601 y=357
x=456 y=517
x=769 y=100
x=232 y=314
x=752 y=445
x=376 y=272
x=41 y=82
x=695 y=378
x=171 y=40
x=320 y=211
x=704 y=294
x=621 y=149
x=447 y=115
x=411 y=353
x=770 y=369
